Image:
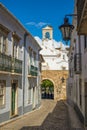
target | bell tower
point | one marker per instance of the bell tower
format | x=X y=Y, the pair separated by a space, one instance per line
x=47 y=33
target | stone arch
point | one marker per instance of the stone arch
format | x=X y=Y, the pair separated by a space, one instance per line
x=55 y=76
x=47 y=91
x=49 y=79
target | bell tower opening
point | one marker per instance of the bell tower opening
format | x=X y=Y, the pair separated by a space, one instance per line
x=47 y=33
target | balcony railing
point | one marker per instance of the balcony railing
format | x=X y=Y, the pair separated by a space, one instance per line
x=33 y=70
x=17 y=65
x=77 y=63
x=10 y=64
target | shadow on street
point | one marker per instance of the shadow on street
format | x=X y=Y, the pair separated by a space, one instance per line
x=57 y=119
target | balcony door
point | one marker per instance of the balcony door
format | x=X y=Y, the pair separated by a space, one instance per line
x=14 y=99
x=34 y=92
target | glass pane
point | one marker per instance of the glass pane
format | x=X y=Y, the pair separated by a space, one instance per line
x=1 y=100
x=63 y=32
x=0 y=41
x=4 y=45
x=2 y=92
x=67 y=31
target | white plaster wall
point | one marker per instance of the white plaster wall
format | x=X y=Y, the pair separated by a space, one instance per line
x=8 y=92
x=53 y=57
x=8 y=21
x=12 y=24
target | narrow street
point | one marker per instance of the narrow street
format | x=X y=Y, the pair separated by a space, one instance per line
x=52 y=115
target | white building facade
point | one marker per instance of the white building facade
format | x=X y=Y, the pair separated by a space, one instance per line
x=19 y=68
x=53 y=52
x=77 y=80
x=55 y=65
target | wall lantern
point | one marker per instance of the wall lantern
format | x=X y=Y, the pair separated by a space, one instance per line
x=62 y=79
x=66 y=28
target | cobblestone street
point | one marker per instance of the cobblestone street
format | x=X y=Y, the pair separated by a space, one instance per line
x=51 y=116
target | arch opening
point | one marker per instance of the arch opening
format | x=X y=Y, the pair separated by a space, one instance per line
x=47 y=89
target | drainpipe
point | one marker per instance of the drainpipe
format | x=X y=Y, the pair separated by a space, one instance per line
x=24 y=66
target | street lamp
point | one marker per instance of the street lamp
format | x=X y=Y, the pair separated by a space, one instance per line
x=66 y=28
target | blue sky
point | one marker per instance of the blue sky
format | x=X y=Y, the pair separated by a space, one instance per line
x=35 y=14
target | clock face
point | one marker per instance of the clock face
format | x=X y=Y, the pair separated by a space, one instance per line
x=47 y=35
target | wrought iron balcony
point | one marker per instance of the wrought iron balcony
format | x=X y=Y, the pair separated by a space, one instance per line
x=33 y=70
x=10 y=64
x=82 y=16
x=16 y=65
x=77 y=63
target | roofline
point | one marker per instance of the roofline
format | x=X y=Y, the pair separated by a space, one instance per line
x=3 y=7
x=26 y=31
x=47 y=26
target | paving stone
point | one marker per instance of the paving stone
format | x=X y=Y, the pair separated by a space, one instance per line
x=51 y=116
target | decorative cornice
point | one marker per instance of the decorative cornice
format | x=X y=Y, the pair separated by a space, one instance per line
x=4 y=29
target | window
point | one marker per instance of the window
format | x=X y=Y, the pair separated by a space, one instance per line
x=47 y=35
x=15 y=48
x=3 y=38
x=3 y=42
x=30 y=91
x=85 y=41
x=29 y=95
x=40 y=66
x=71 y=72
x=80 y=96
x=85 y=83
x=16 y=40
x=34 y=58
x=64 y=57
x=2 y=92
x=70 y=88
x=63 y=68
x=30 y=55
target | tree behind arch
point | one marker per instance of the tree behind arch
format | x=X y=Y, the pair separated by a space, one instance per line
x=47 y=84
